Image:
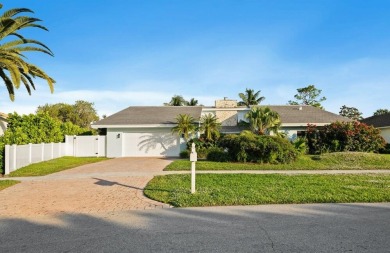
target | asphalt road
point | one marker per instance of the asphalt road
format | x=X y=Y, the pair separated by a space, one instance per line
x=268 y=228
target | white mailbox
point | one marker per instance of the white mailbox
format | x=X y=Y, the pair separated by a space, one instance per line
x=193 y=154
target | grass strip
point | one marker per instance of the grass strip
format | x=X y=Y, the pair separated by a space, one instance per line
x=7 y=183
x=331 y=161
x=251 y=189
x=55 y=165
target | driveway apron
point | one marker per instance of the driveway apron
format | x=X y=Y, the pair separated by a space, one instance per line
x=104 y=187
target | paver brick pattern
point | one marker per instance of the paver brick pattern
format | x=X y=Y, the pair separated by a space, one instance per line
x=93 y=188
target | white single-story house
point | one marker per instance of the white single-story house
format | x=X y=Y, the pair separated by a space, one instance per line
x=382 y=122
x=146 y=130
x=3 y=122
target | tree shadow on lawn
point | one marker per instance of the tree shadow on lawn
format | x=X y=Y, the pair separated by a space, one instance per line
x=281 y=228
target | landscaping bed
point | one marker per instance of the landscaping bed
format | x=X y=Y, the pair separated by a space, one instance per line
x=251 y=189
x=329 y=161
x=55 y=165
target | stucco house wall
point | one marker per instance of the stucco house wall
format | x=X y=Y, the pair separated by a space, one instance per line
x=385 y=132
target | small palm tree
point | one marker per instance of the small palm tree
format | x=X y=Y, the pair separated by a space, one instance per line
x=250 y=97
x=14 y=70
x=192 y=102
x=185 y=126
x=210 y=126
x=263 y=120
x=176 y=100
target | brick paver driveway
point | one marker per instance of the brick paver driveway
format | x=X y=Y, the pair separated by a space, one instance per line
x=104 y=187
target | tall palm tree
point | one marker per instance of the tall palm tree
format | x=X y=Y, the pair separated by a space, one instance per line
x=210 y=126
x=185 y=126
x=250 y=97
x=262 y=120
x=176 y=100
x=13 y=67
x=192 y=102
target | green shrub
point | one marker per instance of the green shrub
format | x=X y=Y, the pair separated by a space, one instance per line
x=344 y=136
x=185 y=154
x=248 y=147
x=218 y=155
x=385 y=149
x=300 y=145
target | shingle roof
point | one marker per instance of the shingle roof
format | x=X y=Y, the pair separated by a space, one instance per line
x=308 y=114
x=143 y=115
x=378 y=120
x=140 y=115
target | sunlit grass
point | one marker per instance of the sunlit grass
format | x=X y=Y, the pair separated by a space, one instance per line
x=7 y=183
x=55 y=165
x=253 y=189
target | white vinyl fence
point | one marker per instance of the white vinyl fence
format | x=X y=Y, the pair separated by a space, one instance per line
x=18 y=156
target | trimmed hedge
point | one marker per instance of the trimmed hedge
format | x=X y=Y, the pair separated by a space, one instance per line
x=218 y=155
x=248 y=147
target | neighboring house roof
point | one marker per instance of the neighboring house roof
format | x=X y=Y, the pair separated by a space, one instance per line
x=291 y=114
x=3 y=116
x=378 y=120
x=149 y=115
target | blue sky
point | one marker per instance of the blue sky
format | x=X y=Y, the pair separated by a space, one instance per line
x=120 y=53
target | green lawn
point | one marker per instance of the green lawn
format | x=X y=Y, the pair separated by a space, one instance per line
x=331 y=161
x=252 y=189
x=55 y=165
x=7 y=183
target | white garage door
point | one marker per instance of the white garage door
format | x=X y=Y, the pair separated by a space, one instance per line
x=153 y=143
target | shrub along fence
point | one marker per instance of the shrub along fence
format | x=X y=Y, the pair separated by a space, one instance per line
x=18 y=156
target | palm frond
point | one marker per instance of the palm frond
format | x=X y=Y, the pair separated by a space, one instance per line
x=8 y=84
x=14 y=12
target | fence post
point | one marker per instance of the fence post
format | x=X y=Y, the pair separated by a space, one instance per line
x=97 y=146
x=42 y=152
x=74 y=145
x=59 y=149
x=29 y=153
x=6 y=160
x=14 y=157
x=52 y=150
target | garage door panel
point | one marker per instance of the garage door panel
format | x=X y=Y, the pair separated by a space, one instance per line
x=151 y=144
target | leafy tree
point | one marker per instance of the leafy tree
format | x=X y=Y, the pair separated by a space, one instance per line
x=185 y=126
x=381 y=111
x=176 y=100
x=192 y=102
x=250 y=97
x=210 y=126
x=14 y=69
x=350 y=112
x=82 y=113
x=309 y=95
x=263 y=120
x=60 y=111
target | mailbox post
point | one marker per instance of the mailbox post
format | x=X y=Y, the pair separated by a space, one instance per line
x=193 y=159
